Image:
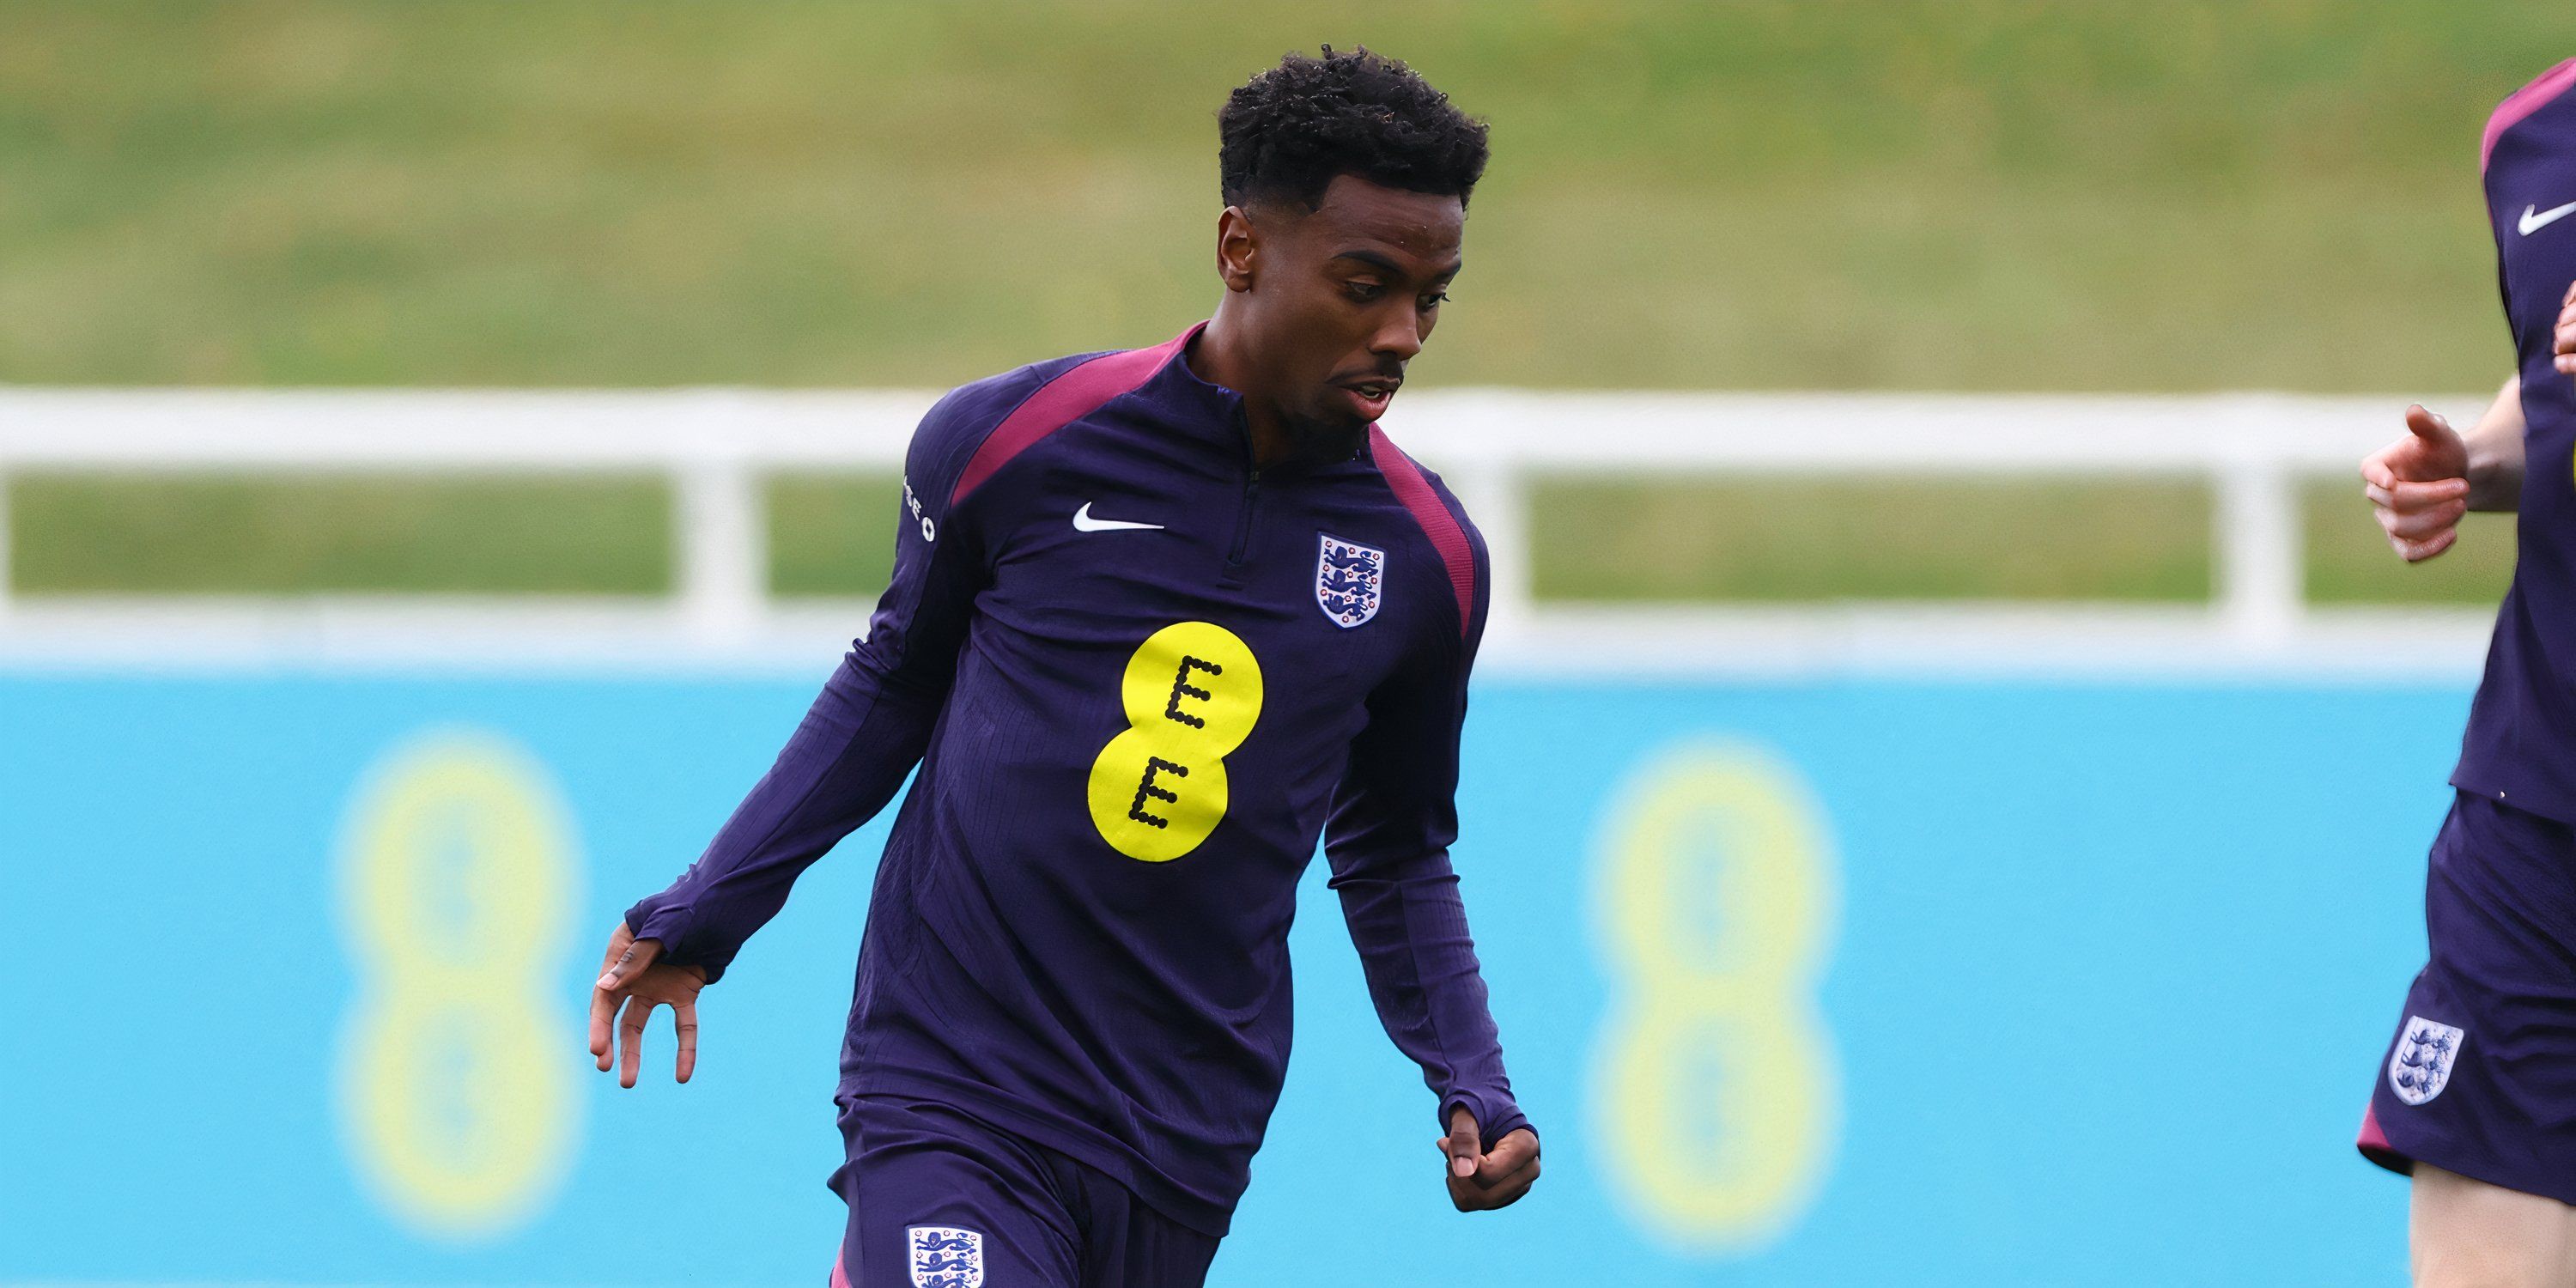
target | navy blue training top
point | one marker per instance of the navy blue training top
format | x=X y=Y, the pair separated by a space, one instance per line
x=2520 y=747
x=1140 y=677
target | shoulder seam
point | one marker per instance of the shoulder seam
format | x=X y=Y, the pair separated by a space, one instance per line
x=1448 y=537
x=1072 y=394
x=2522 y=103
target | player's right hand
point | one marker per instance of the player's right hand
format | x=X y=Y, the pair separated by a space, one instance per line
x=1481 y=1181
x=2419 y=486
x=632 y=978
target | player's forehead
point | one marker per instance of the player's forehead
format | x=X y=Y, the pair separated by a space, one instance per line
x=1420 y=234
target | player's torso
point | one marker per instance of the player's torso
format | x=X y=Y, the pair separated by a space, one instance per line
x=2531 y=197
x=1156 y=715
x=2520 y=746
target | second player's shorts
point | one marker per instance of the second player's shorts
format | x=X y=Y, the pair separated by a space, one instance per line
x=938 y=1199
x=2480 y=1078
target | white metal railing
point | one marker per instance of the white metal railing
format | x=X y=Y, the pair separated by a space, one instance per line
x=717 y=446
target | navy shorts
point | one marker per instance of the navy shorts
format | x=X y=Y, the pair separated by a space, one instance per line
x=2480 y=1078
x=940 y=1200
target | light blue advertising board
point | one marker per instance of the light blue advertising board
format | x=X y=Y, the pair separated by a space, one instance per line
x=1842 y=982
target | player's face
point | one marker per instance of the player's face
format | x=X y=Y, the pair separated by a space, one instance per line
x=1344 y=297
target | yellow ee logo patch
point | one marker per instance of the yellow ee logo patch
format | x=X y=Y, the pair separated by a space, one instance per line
x=1192 y=693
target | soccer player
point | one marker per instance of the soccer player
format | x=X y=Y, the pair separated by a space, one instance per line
x=2477 y=1097
x=1159 y=619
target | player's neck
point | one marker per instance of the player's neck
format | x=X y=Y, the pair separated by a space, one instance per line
x=1221 y=357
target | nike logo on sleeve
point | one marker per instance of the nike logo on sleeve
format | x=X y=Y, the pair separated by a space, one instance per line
x=1083 y=522
x=2533 y=220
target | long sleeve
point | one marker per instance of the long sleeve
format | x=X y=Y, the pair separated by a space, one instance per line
x=865 y=732
x=1393 y=819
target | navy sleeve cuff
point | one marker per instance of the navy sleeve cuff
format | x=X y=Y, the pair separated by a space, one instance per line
x=1496 y=1116
x=646 y=920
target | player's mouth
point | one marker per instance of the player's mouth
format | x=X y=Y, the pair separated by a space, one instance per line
x=1368 y=398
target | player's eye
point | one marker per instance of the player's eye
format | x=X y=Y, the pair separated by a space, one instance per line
x=1435 y=299
x=1363 y=290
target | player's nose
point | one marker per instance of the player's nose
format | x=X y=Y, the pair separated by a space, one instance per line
x=1398 y=338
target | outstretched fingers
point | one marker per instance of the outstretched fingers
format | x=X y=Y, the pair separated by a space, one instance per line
x=2419 y=519
x=630 y=1031
x=684 y=1021
x=2415 y=498
x=603 y=1022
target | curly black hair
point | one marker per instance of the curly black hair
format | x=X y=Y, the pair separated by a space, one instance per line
x=1288 y=131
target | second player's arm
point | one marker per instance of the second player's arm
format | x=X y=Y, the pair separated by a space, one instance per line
x=2495 y=453
x=2421 y=485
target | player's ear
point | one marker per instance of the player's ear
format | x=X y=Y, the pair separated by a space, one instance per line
x=1238 y=244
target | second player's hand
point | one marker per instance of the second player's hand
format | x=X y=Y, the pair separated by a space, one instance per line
x=631 y=978
x=2419 y=486
x=1481 y=1181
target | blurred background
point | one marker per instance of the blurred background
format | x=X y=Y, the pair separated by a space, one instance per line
x=1949 y=783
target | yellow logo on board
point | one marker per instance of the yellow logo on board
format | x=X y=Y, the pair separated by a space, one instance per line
x=1192 y=692
x=1719 y=891
x=458 y=1108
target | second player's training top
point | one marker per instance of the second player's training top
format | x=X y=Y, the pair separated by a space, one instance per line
x=1140 y=678
x=2521 y=742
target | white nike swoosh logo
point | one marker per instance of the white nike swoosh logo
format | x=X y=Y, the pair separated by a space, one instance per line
x=1083 y=522
x=2534 y=220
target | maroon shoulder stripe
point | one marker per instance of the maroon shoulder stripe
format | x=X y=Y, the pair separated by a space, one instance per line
x=2523 y=102
x=1437 y=523
x=1061 y=401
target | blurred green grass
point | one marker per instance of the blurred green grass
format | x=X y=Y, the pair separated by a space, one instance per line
x=1827 y=194
x=1790 y=539
x=78 y=533
x=1769 y=193
x=1794 y=538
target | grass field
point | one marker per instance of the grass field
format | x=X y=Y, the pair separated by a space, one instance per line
x=1768 y=193
x=1786 y=541
x=1800 y=194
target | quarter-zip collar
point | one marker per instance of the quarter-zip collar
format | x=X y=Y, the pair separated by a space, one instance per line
x=1214 y=410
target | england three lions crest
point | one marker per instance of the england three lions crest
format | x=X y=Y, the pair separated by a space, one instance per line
x=945 y=1257
x=1350 y=579
x=2422 y=1065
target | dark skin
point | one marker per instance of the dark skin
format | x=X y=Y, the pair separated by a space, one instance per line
x=1323 y=309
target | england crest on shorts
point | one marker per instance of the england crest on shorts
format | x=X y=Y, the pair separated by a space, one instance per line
x=944 y=1256
x=1349 y=579
x=2422 y=1065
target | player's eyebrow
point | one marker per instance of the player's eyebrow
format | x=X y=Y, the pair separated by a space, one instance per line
x=1388 y=266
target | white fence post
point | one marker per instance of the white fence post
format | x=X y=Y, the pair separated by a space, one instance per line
x=8 y=577
x=2258 y=550
x=1497 y=502
x=722 y=533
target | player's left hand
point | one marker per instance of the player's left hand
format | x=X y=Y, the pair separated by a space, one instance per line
x=1479 y=1181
